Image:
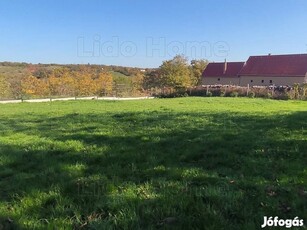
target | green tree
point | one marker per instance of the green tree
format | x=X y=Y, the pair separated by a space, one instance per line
x=197 y=68
x=175 y=73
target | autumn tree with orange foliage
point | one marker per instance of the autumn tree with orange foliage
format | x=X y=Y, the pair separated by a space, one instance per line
x=104 y=84
x=137 y=83
x=62 y=86
x=5 y=90
x=85 y=84
x=34 y=87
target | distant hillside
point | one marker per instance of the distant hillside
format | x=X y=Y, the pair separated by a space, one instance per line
x=118 y=74
x=16 y=69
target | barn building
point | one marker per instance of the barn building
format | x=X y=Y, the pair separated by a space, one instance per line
x=222 y=73
x=259 y=71
x=274 y=70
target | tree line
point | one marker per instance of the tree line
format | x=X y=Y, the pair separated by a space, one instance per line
x=39 y=81
x=58 y=82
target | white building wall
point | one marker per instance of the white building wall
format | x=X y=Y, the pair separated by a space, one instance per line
x=220 y=81
x=265 y=80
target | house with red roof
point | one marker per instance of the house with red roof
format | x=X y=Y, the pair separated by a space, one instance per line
x=274 y=70
x=259 y=71
x=222 y=73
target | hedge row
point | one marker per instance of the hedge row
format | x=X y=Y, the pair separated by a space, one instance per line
x=298 y=92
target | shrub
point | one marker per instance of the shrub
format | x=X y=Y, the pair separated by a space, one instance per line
x=288 y=95
x=251 y=94
x=260 y=92
x=234 y=94
x=216 y=92
x=281 y=95
x=304 y=91
x=269 y=95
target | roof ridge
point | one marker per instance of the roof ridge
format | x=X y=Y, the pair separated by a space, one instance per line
x=227 y=62
x=286 y=64
x=279 y=55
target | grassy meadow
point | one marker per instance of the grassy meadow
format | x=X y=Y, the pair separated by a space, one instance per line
x=187 y=163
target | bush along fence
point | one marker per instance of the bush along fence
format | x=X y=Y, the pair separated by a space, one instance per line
x=73 y=91
x=295 y=92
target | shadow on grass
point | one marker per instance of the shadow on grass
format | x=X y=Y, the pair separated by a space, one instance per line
x=153 y=170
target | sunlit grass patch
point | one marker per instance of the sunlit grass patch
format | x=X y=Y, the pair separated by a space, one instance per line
x=188 y=163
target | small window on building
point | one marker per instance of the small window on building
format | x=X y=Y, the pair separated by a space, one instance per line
x=262 y=81
x=218 y=79
x=252 y=80
x=271 y=81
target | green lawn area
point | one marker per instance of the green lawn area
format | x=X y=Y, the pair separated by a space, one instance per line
x=187 y=163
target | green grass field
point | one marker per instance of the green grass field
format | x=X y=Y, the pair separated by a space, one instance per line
x=188 y=163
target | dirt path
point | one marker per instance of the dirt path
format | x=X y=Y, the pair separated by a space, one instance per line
x=73 y=99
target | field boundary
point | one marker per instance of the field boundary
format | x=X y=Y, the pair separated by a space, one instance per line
x=76 y=98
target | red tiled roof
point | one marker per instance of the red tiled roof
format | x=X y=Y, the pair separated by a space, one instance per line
x=276 y=65
x=217 y=69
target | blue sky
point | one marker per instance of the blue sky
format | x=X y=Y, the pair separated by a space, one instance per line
x=144 y=33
